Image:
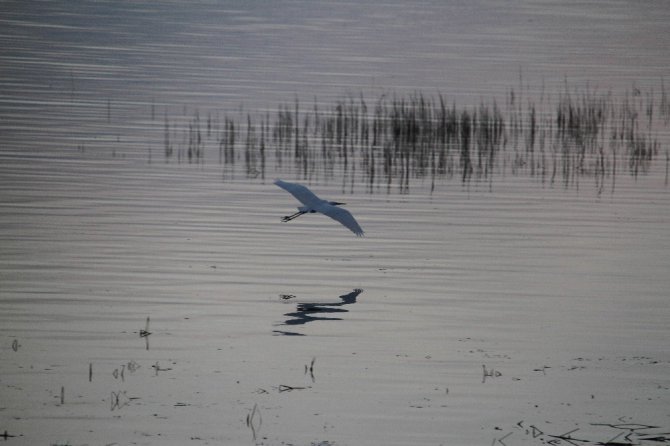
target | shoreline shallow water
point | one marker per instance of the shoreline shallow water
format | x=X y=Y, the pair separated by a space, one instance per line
x=481 y=313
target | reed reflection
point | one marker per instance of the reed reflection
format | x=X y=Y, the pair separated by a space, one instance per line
x=557 y=139
x=317 y=311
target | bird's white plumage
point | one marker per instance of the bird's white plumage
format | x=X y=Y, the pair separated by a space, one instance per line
x=344 y=217
x=300 y=192
x=312 y=203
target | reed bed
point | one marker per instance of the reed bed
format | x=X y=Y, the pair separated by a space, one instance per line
x=385 y=143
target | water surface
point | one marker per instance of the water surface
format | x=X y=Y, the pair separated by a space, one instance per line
x=486 y=312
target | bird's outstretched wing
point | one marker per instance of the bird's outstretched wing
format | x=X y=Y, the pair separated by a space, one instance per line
x=300 y=192
x=344 y=217
x=315 y=204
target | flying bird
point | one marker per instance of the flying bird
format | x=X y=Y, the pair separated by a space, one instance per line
x=313 y=204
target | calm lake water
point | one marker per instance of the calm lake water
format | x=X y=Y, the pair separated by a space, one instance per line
x=149 y=300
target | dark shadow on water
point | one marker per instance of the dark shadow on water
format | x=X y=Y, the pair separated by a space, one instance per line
x=317 y=311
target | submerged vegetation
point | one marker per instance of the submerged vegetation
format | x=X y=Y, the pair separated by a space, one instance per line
x=383 y=144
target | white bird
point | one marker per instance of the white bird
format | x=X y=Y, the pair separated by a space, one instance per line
x=312 y=203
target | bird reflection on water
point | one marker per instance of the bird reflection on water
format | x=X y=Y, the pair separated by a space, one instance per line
x=314 y=311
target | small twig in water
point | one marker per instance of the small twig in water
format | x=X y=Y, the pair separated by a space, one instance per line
x=145 y=332
x=116 y=373
x=252 y=422
x=500 y=440
x=6 y=435
x=567 y=437
x=285 y=388
x=132 y=366
x=310 y=368
x=159 y=369
x=119 y=399
x=490 y=373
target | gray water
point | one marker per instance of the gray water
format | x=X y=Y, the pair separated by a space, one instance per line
x=500 y=311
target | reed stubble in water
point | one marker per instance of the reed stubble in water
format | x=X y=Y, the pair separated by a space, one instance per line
x=556 y=140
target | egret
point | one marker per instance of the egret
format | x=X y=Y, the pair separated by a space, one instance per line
x=313 y=204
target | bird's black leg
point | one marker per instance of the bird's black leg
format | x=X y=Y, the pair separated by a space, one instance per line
x=292 y=216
